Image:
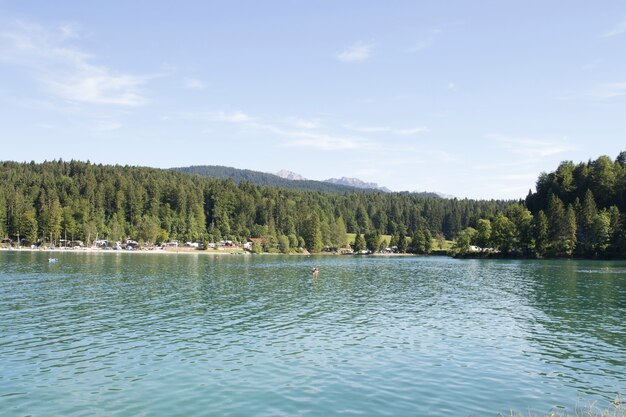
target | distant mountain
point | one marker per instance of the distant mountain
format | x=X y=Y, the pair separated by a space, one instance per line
x=290 y=175
x=357 y=183
x=262 y=178
x=291 y=180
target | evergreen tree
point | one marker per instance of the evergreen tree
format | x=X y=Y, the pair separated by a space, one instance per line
x=393 y=242
x=29 y=226
x=312 y=234
x=402 y=241
x=283 y=244
x=483 y=235
x=3 y=215
x=338 y=233
x=359 y=243
x=428 y=241
x=418 y=242
x=372 y=240
x=541 y=234
x=503 y=233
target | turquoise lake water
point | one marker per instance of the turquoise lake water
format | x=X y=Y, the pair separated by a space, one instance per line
x=118 y=334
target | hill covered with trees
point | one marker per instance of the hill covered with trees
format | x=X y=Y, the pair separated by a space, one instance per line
x=42 y=202
x=262 y=178
x=579 y=210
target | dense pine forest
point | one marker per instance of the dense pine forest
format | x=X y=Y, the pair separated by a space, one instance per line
x=577 y=211
x=41 y=203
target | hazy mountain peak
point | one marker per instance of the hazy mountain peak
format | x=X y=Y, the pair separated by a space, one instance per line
x=289 y=175
x=357 y=183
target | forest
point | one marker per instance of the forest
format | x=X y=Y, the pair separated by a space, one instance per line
x=42 y=203
x=579 y=210
x=261 y=178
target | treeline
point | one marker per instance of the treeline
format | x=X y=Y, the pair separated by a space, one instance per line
x=262 y=178
x=577 y=211
x=42 y=203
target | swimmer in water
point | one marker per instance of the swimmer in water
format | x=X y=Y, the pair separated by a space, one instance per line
x=314 y=272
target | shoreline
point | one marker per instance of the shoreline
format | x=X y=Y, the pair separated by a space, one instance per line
x=199 y=252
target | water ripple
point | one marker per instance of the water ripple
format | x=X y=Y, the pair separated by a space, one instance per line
x=122 y=334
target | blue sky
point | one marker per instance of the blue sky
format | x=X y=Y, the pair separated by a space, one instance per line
x=472 y=99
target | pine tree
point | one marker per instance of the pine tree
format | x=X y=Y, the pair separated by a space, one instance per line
x=372 y=240
x=359 y=243
x=312 y=234
x=541 y=234
x=418 y=242
x=428 y=241
x=402 y=242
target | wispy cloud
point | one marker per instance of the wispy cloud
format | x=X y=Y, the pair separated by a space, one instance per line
x=608 y=90
x=194 y=84
x=66 y=71
x=426 y=42
x=233 y=117
x=106 y=126
x=357 y=53
x=237 y=117
x=296 y=132
x=532 y=148
x=304 y=123
x=320 y=141
x=618 y=29
x=385 y=129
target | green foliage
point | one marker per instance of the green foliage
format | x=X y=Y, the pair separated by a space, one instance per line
x=464 y=240
x=283 y=244
x=428 y=242
x=483 y=235
x=372 y=240
x=29 y=226
x=418 y=242
x=402 y=242
x=578 y=210
x=338 y=233
x=359 y=243
x=503 y=233
x=262 y=178
x=540 y=233
x=312 y=234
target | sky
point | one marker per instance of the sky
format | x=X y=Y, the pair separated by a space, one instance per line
x=467 y=98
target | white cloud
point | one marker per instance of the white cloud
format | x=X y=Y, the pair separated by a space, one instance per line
x=618 y=29
x=304 y=123
x=66 y=71
x=425 y=43
x=317 y=140
x=608 y=90
x=384 y=129
x=194 y=84
x=106 y=126
x=533 y=148
x=303 y=136
x=357 y=53
x=234 y=117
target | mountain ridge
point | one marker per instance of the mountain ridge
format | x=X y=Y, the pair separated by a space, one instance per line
x=270 y=179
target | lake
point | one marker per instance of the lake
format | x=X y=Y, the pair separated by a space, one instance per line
x=120 y=334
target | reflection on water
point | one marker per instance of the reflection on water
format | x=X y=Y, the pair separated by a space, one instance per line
x=179 y=335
